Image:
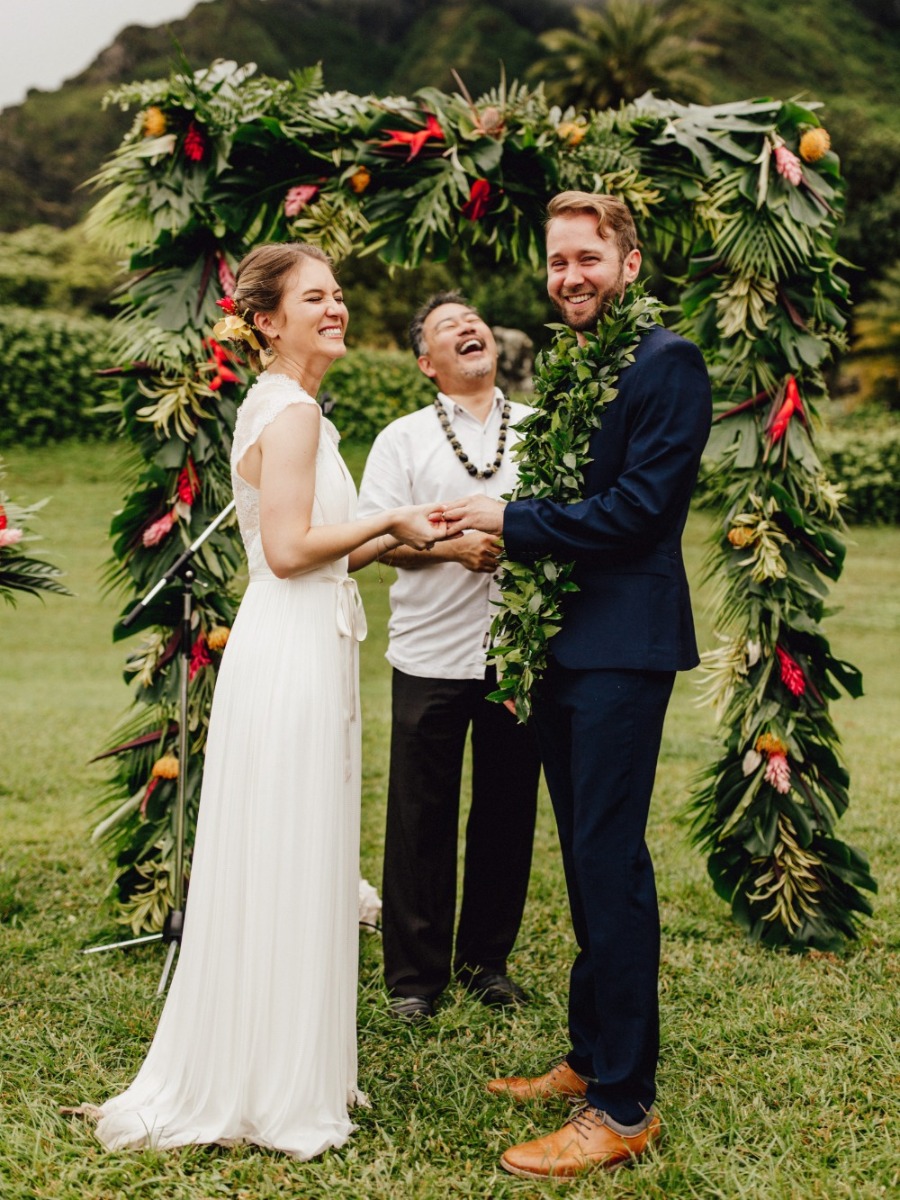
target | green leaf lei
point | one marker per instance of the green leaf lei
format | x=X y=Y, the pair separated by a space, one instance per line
x=573 y=386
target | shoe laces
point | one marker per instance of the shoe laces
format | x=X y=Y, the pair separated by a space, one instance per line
x=586 y=1117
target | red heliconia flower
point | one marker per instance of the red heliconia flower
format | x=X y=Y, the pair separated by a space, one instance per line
x=476 y=206
x=194 y=144
x=791 y=675
x=226 y=277
x=299 y=197
x=227 y=305
x=792 y=404
x=188 y=483
x=199 y=657
x=155 y=533
x=415 y=140
x=220 y=361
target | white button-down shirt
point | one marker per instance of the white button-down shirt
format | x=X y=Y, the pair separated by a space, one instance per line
x=440 y=614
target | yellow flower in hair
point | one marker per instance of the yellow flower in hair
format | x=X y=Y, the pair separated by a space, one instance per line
x=165 y=767
x=217 y=637
x=154 y=122
x=235 y=329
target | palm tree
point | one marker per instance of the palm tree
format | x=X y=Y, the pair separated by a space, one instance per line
x=620 y=51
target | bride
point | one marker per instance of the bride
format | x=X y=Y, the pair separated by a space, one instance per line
x=257 y=1040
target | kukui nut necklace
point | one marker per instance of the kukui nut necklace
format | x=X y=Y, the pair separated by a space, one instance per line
x=475 y=472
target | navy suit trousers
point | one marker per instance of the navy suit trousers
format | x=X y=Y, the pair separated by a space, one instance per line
x=599 y=734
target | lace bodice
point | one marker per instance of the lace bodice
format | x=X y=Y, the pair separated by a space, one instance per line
x=335 y=495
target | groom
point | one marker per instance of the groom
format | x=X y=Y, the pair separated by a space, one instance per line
x=599 y=710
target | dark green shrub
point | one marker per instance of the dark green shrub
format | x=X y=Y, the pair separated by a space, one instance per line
x=866 y=464
x=372 y=387
x=48 y=382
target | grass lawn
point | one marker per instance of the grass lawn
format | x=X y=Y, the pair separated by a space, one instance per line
x=779 y=1074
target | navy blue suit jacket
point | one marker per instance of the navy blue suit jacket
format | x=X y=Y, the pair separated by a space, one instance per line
x=633 y=607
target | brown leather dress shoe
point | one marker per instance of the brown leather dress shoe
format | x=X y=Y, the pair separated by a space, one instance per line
x=560 y=1080
x=585 y=1143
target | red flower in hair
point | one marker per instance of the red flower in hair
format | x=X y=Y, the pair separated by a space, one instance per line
x=415 y=140
x=476 y=206
x=194 y=145
x=227 y=305
x=791 y=675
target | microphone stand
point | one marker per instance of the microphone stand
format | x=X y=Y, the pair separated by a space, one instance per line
x=182 y=569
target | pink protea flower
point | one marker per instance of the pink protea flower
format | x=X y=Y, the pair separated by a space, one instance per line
x=9 y=537
x=199 y=657
x=226 y=277
x=155 y=533
x=299 y=197
x=778 y=773
x=791 y=675
x=788 y=164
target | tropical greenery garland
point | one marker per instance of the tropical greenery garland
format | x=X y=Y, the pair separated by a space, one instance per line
x=742 y=200
x=20 y=571
x=573 y=386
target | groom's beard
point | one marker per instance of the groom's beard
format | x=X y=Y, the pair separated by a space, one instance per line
x=587 y=316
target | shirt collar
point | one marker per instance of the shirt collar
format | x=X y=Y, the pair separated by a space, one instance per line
x=451 y=408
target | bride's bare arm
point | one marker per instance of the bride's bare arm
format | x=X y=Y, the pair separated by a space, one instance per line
x=287 y=484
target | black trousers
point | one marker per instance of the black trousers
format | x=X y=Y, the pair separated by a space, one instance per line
x=431 y=718
x=600 y=733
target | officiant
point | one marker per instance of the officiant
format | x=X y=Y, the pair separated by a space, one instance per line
x=442 y=605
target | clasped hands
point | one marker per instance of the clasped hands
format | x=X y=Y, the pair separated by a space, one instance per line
x=420 y=526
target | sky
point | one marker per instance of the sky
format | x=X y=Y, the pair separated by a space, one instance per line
x=43 y=42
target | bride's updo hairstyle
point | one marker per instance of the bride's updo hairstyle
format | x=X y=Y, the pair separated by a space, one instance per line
x=260 y=281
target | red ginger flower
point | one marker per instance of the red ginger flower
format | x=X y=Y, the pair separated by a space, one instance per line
x=3 y=520
x=791 y=675
x=778 y=773
x=199 y=657
x=792 y=404
x=226 y=275
x=415 y=141
x=476 y=206
x=194 y=145
x=188 y=483
x=155 y=533
x=299 y=197
x=788 y=164
x=227 y=305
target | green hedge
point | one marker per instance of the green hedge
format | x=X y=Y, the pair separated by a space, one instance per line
x=372 y=387
x=49 y=386
x=48 y=382
x=866 y=463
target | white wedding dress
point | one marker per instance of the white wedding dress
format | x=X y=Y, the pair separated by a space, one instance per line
x=257 y=1040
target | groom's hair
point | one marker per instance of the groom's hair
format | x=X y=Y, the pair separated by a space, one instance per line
x=614 y=219
x=416 y=325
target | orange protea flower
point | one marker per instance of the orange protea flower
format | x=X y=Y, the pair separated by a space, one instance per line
x=165 y=767
x=360 y=180
x=814 y=145
x=155 y=122
x=217 y=637
x=571 y=132
x=741 y=536
x=768 y=743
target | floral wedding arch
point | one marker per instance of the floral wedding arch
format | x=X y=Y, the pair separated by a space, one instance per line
x=742 y=200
